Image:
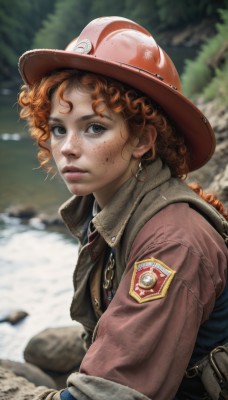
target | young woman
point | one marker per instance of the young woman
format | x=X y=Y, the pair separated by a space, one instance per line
x=150 y=281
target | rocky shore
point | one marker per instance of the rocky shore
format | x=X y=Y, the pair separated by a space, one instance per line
x=214 y=175
x=50 y=357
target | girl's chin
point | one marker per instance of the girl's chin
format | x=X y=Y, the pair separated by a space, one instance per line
x=78 y=191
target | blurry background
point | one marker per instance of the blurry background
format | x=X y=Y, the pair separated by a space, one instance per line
x=37 y=256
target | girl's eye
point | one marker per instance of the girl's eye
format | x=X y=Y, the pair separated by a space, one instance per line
x=58 y=130
x=96 y=129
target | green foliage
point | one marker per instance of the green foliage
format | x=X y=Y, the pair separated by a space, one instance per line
x=202 y=78
x=12 y=31
x=18 y=22
x=63 y=25
x=172 y=12
x=145 y=12
x=75 y=14
x=153 y=14
x=28 y=24
x=107 y=8
x=218 y=87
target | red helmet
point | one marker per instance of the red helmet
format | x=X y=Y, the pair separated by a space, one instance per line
x=121 y=49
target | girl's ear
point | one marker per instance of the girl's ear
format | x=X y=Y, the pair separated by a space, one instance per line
x=145 y=142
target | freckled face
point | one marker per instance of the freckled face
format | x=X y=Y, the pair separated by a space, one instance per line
x=92 y=153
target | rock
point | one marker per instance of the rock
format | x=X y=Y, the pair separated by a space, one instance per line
x=214 y=175
x=56 y=222
x=220 y=185
x=30 y=372
x=22 y=212
x=29 y=215
x=43 y=221
x=60 y=379
x=14 y=317
x=36 y=223
x=56 y=349
x=51 y=221
x=14 y=387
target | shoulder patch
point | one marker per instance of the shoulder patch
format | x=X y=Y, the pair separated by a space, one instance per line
x=150 y=280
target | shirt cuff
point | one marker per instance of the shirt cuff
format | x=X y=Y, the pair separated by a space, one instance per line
x=66 y=395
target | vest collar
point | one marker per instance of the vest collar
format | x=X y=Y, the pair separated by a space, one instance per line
x=111 y=221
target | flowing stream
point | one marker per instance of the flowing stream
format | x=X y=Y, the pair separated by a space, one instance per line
x=36 y=265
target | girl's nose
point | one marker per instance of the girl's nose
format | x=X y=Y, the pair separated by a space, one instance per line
x=71 y=145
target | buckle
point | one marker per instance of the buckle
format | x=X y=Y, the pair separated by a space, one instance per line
x=192 y=372
x=214 y=364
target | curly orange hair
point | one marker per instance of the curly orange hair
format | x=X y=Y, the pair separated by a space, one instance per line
x=209 y=198
x=137 y=110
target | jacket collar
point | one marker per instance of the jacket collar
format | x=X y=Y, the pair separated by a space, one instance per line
x=111 y=221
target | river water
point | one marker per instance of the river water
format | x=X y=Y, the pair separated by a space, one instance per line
x=36 y=266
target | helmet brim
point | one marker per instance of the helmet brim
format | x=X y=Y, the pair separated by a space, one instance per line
x=188 y=119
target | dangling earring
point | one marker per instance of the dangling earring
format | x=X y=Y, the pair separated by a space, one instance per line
x=153 y=151
x=140 y=168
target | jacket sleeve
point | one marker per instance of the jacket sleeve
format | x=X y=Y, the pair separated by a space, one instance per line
x=147 y=346
x=42 y=393
x=142 y=349
x=85 y=387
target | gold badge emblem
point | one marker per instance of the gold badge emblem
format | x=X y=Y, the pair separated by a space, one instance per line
x=150 y=280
